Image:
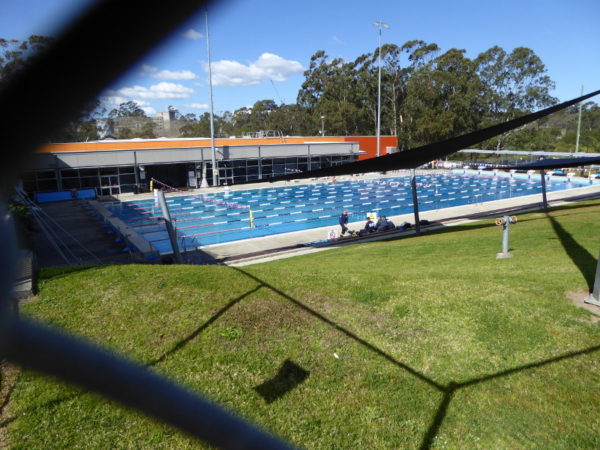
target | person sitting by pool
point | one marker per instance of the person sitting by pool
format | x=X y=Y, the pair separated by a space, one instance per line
x=389 y=225
x=369 y=227
x=381 y=223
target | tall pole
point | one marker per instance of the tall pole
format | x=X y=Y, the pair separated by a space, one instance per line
x=322 y=126
x=169 y=224
x=215 y=168
x=578 y=124
x=413 y=185
x=379 y=25
x=594 y=298
x=544 y=197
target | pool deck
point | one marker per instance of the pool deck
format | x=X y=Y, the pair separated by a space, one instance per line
x=257 y=250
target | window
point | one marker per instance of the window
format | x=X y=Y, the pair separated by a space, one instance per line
x=88 y=172
x=69 y=173
x=108 y=171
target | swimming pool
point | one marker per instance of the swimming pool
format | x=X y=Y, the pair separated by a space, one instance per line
x=206 y=219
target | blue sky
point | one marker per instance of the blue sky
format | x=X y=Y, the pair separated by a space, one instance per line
x=260 y=48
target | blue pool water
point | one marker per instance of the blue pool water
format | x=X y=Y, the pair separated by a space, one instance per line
x=214 y=218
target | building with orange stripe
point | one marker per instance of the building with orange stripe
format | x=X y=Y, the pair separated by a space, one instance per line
x=120 y=166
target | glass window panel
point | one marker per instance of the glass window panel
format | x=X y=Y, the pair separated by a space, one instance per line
x=127 y=179
x=88 y=172
x=127 y=169
x=69 y=173
x=89 y=182
x=69 y=183
x=46 y=175
x=47 y=185
x=108 y=171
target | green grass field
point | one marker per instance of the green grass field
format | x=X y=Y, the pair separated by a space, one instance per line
x=407 y=343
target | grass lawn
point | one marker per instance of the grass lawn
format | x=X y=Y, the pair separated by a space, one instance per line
x=407 y=343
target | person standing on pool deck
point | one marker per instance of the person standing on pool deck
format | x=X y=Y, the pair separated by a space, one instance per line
x=344 y=222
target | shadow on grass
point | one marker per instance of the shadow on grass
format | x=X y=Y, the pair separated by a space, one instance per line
x=202 y=327
x=452 y=387
x=289 y=376
x=585 y=262
x=449 y=390
x=342 y=330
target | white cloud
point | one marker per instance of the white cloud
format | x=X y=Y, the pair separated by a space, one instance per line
x=337 y=40
x=268 y=66
x=197 y=106
x=149 y=110
x=162 y=90
x=111 y=100
x=192 y=34
x=175 y=75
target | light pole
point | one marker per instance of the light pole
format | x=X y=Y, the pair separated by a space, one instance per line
x=322 y=126
x=379 y=25
x=215 y=167
x=578 y=125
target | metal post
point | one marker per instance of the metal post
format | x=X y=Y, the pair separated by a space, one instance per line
x=379 y=25
x=544 y=198
x=169 y=224
x=215 y=168
x=505 y=234
x=578 y=124
x=322 y=126
x=135 y=172
x=413 y=185
x=379 y=98
x=259 y=164
x=505 y=222
x=594 y=299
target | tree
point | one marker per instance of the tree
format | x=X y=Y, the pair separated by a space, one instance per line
x=15 y=54
x=200 y=128
x=515 y=84
x=125 y=133
x=127 y=109
x=147 y=131
x=444 y=98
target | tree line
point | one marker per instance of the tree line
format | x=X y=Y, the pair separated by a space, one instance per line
x=427 y=95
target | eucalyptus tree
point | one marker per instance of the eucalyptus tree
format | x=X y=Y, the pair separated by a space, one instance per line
x=515 y=83
x=444 y=99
